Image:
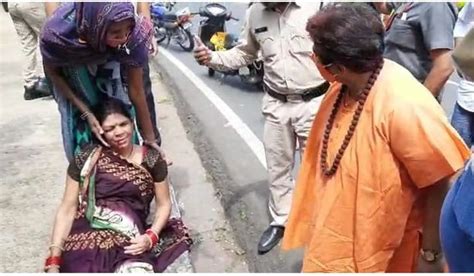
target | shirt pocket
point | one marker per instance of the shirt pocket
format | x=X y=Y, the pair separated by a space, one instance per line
x=402 y=34
x=300 y=43
x=267 y=44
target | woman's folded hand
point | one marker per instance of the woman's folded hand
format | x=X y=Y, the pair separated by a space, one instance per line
x=138 y=245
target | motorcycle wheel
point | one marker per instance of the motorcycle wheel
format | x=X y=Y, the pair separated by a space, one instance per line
x=211 y=72
x=187 y=42
x=159 y=36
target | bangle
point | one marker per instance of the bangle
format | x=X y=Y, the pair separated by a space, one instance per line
x=56 y=246
x=85 y=115
x=53 y=261
x=152 y=236
x=46 y=268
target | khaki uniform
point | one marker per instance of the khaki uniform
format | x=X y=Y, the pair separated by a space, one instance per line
x=28 y=19
x=286 y=49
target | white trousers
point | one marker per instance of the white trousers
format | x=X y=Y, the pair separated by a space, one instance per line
x=28 y=18
x=286 y=123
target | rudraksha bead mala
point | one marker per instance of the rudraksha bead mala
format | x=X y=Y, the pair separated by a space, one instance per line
x=329 y=171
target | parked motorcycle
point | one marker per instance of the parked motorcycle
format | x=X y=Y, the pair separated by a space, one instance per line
x=172 y=25
x=212 y=32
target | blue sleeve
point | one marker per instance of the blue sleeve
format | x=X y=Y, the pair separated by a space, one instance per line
x=464 y=200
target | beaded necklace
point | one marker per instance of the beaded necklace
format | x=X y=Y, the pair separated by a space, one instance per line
x=329 y=171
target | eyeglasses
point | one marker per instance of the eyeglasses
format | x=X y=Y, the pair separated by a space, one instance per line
x=317 y=61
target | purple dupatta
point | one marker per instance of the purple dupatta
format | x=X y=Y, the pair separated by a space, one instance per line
x=60 y=45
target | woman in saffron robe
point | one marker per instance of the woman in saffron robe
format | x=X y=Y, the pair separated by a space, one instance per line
x=379 y=159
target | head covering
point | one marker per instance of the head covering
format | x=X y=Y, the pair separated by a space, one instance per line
x=89 y=21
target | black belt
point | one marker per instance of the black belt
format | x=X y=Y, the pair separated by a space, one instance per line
x=305 y=96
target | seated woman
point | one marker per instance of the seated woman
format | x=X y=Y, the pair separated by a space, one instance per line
x=101 y=224
x=88 y=49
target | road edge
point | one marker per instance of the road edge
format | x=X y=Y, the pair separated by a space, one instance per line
x=215 y=166
x=209 y=227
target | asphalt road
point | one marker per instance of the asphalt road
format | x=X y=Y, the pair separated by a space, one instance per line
x=244 y=99
x=238 y=175
x=240 y=178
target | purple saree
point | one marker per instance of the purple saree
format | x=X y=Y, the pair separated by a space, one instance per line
x=113 y=206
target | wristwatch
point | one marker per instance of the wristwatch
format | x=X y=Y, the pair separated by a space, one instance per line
x=430 y=256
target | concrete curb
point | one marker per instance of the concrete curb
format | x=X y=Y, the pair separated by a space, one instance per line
x=183 y=264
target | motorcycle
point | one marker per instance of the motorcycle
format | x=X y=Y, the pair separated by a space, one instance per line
x=212 y=32
x=172 y=25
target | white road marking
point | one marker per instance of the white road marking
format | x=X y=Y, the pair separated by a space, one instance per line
x=233 y=119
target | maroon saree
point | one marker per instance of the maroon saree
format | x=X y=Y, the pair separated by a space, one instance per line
x=114 y=204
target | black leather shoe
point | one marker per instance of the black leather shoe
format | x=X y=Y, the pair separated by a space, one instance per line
x=32 y=93
x=39 y=90
x=270 y=238
x=42 y=87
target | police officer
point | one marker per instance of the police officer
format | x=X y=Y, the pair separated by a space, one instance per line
x=293 y=91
